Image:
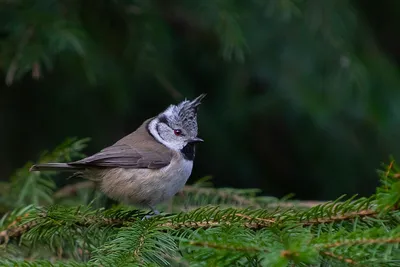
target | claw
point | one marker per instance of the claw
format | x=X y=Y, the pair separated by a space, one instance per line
x=154 y=211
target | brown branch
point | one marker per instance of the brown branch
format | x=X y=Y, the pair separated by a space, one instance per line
x=345 y=216
x=267 y=221
x=284 y=253
x=15 y=231
x=393 y=240
x=71 y=189
x=389 y=168
x=340 y=258
x=136 y=252
x=209 y=224
x=254 y=223
x=225 y=247
x=289 y=254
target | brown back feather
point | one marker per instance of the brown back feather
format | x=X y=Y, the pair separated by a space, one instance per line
x=136 y=150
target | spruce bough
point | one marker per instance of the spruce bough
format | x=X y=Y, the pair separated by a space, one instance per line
x=204 y=227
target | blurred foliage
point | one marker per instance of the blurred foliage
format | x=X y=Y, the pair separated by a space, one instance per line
x=300 y=96
x=33 y=188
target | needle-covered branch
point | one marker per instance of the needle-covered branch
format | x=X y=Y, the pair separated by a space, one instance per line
x=206 y=225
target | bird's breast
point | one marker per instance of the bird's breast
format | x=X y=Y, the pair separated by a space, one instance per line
x=146 y=186
x=176 y=176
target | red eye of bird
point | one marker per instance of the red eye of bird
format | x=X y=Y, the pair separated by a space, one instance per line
x=177 y=132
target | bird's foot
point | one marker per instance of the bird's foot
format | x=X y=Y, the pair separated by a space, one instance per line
x=155 y=213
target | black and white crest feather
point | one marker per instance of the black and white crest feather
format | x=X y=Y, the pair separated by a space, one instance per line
x=186 y=113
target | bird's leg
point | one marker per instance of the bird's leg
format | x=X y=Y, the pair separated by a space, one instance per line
x=154 y=211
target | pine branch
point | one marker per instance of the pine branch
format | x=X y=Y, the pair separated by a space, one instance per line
x=213 y=217
x=205 y=218
x=339 y=258
x=390 y=240
x=353 y=231
x=342 y=217
x=142 y=243
x=225 y=247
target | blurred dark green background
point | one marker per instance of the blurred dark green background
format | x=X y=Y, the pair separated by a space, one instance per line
x=303 y=96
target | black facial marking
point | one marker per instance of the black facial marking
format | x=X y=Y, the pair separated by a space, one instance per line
x=188 y=151
x=158 y=131
x=163 y=119
x=148 y=129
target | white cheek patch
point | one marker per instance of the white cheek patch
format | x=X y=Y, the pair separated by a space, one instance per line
x=175 y=145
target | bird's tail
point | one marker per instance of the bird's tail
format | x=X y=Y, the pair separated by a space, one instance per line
x=54 y=167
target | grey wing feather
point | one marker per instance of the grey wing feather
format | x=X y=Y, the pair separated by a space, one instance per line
x=125 y=156
x=53 y=167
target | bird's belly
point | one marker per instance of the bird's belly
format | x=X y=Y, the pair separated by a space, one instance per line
x=146 y=186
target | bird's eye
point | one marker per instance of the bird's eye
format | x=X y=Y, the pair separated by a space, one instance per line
x=177 y=132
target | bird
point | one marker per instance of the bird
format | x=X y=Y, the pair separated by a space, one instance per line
x=148 y=166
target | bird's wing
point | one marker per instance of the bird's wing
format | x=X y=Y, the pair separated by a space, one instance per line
x=125 y=156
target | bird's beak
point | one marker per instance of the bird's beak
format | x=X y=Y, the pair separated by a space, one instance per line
x=195 y=140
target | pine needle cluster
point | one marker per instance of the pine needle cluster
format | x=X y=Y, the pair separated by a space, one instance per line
x=203 y=226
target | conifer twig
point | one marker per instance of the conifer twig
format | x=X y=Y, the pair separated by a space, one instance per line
x=269 y=221
x=15 y=231
x=343 y=217
x=225 y=247
x=208 y=224
x=255 y=223
x=369 y=241
x=340 y=258
x=71 y=189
